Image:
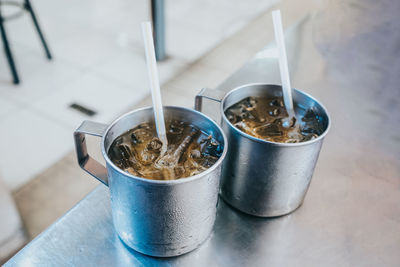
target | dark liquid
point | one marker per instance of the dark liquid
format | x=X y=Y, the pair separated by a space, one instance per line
x=262 y=117
x=190 y=151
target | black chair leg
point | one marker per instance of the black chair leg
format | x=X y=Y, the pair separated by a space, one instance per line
x=8 y=52
x=28 y=7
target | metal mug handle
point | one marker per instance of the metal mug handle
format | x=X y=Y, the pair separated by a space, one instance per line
x=211 y=94
x=86 y=162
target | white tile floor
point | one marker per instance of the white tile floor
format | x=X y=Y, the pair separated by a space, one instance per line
x=99 y=63
x=30 y=143
x=98 y=93
x=39 y=77
x=6 y=107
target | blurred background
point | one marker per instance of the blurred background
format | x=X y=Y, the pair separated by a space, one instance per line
x=94 y=69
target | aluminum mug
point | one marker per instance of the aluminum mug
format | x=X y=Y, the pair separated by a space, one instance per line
x=260 y=177
x=154 y=217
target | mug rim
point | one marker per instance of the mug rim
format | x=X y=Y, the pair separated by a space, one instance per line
x=164 y=182
x=259 y=140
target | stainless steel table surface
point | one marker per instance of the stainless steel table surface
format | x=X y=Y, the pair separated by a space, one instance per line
x=351 y=214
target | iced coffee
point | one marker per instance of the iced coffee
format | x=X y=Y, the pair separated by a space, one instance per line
x=190 y=151
x=263 y=117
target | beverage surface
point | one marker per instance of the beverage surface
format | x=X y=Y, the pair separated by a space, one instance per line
x=262 y=117
x=190 y=151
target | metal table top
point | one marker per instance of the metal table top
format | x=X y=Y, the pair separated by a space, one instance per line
x=351 y=214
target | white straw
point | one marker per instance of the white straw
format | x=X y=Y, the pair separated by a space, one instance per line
x=154 y=83
x=283 y=64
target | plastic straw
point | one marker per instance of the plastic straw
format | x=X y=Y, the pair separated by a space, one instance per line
x=283 y=64
x=154 y=84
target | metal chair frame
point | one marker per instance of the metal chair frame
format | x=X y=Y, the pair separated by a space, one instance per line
x=25 y=6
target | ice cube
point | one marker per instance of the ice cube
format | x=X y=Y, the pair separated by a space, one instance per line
x=151 y=151
x=125 y=151
x=234 y=115
x=294 y=134
x=170 y=160
x=141 y=134
x=312 y=126
x=276 y=103
x=256 y=115
x=275 y=112
x=310 y=115
x=118 y=141
x=179 y=171
x=155 y=144
x=195 y=154
x=185 y=143
x=207 y=161
x=147 y=157
x=268 y=130
x=211 y=148
x=241 y=125
x=122 y=153
x=252 y=101
x=243 y=113
x=286 y=122
x=176 y=128
x=249 y=103
x=134 y=139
